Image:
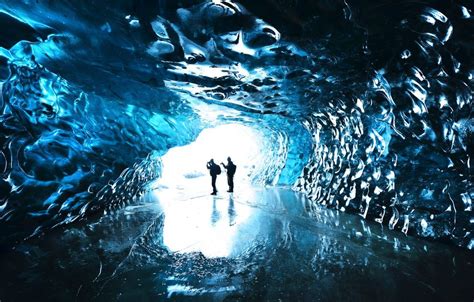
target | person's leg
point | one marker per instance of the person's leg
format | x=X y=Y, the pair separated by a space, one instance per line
x=214 y=190
x=229 y=182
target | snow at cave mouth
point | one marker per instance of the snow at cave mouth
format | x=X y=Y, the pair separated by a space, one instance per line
x=185 y=166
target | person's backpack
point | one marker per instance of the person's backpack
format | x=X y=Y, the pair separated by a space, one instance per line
x=218 y=170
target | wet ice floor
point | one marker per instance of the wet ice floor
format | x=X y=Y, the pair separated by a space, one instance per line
x=253 y=245
x=227 y=224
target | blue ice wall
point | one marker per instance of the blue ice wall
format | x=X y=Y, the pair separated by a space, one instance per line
x=66 y=152
x=397 y=148
x=367 y=105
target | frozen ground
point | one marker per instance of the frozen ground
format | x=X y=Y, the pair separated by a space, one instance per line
x=256 y=244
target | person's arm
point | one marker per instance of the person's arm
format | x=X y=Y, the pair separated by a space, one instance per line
x=225 y=167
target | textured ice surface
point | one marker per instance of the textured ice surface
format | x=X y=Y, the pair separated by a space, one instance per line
x=254 y=245
x=376 y=95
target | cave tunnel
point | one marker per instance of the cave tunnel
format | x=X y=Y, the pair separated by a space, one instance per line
x=350 y=123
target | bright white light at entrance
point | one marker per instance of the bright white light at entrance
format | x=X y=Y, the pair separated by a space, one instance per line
x=195 y=220
x=185 y=167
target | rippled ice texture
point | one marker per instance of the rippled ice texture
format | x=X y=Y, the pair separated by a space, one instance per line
x=370 y=103
x=253 y=245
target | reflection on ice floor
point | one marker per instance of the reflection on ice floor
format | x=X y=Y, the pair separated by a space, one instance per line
x=213 y=225
x=207 y=225
x=254 y=245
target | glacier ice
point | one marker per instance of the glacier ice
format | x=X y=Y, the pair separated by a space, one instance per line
x=370 y=115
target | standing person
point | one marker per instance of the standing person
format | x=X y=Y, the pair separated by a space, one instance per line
x=230 y=168
x=214 y=170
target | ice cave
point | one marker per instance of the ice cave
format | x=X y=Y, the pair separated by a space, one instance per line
x=350 y=123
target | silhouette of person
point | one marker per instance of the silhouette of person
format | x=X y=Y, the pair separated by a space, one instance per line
x=214 y=170
x=230 y=168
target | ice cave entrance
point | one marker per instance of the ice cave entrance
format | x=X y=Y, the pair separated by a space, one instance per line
x=183 y=192
x=184 y=168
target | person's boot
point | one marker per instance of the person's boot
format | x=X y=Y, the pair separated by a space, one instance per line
x=213 y=193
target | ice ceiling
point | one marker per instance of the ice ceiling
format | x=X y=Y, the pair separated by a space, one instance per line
x=366 y=107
